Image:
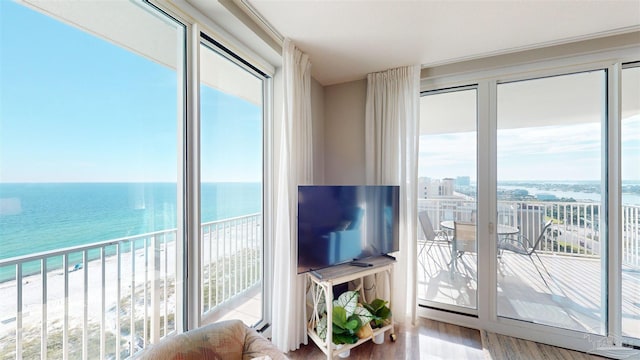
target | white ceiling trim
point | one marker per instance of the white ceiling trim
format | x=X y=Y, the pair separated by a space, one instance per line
x=260 y=20
x=541 y=45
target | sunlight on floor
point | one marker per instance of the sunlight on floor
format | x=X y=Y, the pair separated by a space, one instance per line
x=246 y=307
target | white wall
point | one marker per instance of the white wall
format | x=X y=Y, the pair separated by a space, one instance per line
x=344 y=113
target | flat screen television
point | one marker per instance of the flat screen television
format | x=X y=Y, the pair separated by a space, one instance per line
x=338 y=224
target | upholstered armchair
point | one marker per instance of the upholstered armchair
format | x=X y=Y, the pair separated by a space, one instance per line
x=230 y=339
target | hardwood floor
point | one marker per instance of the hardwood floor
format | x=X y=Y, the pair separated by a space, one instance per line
x=427 y=340
x=431 y=339
x=501 y=347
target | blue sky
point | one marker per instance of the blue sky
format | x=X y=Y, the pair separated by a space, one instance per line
x=75 y=108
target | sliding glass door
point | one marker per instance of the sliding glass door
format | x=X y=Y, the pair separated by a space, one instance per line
x=550 y=191
x=447 y=257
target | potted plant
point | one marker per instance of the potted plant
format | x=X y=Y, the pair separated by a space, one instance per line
x=348 y=318
x=381 y=317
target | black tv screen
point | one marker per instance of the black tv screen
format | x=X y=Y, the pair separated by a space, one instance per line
x=338 y=224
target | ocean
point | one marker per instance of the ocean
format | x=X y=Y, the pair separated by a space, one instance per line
x=38 y=217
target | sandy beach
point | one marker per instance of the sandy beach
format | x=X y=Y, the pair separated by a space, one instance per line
x=234 y=240
x=33 y=308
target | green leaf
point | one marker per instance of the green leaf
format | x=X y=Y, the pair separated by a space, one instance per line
x=321 y=329
x=348 y=300
x=344 y=339
x=352 y=325
x=384 y=313
x=369 y=307
x=339 y=316
x=364 y=315
x=339 y=330
x=377 y=304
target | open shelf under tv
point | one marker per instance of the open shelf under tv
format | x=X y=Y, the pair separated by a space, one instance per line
x=325 y=279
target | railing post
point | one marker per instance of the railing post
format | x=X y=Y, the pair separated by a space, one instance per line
x=43 y=331
x=118 y=298
x=155 y=291
x=19 y=311
x=65 y=329
x=85 y=311
x=132 y=299
x=103 y=302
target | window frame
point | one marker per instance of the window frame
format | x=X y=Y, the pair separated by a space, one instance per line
x=212 y=45
x=615 y=211
x=196 y=26
x=452 y=307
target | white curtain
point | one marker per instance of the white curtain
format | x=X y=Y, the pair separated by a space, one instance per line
x=295 y=166
x=392 y=119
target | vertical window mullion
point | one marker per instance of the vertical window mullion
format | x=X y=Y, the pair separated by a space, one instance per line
x=613 y=200
x=190 y=190
x=486 y=199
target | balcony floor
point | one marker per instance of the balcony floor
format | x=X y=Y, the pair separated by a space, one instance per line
x=246 y=307
x=572 y=298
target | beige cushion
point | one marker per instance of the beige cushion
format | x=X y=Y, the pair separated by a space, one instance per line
x=224 y=340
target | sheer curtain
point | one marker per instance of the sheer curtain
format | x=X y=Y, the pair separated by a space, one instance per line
x=295 y=166
x=391 y=126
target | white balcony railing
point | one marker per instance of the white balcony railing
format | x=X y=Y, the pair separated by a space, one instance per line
x=575 y=229
x=111 y=299
x=231 y=258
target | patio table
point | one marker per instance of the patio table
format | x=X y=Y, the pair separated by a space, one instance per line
x=503 y=230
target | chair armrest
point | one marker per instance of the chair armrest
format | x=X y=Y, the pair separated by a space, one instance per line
x=515 y=243
x=222 y=340
x=256 y=345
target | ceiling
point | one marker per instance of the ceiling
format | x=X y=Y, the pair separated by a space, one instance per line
x=348 y=39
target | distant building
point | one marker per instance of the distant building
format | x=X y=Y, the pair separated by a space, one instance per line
x=429 y=188
x=446 y=187
x=423 y=187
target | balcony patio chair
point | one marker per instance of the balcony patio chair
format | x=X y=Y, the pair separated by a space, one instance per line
x=521 y=245
x=464 y=240
x=432 y=237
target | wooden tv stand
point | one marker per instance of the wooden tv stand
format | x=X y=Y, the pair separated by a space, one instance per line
x=322 y=281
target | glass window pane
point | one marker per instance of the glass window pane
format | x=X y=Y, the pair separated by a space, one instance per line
x=447 y=261
x=231 y=189
x=631 y=202
x=550 y=188
x=89 y=117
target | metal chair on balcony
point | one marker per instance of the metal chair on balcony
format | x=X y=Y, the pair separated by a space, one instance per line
x=432 y=237
x=521 y=245
x=464 y=240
